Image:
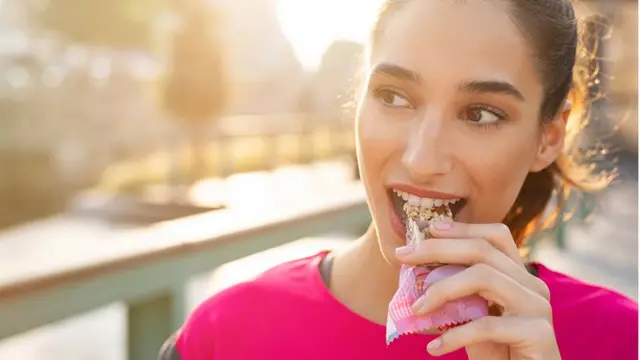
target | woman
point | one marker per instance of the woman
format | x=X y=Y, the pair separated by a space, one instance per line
x=469 y=101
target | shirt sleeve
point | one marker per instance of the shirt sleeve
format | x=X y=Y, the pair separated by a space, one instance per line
x=194 y=341
x=211 y=331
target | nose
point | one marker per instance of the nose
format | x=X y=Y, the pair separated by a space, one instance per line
x=428 y=152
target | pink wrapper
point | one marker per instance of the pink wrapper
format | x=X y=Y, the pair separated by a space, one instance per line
x=413 y=283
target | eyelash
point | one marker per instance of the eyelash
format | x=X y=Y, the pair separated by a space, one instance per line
x=380 y=92
x=501 y=115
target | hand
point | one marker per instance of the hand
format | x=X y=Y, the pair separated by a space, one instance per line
x=496 y=272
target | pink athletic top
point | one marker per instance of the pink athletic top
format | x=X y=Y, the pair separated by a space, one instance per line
x=288 y=313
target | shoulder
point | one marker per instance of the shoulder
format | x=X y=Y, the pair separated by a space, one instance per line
x=571 y=293
x=253 y=305
x=289 y=281
x=586 y=312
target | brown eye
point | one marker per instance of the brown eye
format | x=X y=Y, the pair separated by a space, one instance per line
x=482 y=115
x=391 y=98
x=474 y=115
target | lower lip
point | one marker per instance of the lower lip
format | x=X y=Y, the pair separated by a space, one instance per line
x=396 y=222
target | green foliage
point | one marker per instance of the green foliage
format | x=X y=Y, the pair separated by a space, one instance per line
x=112 y=23
x=34 y=189
x=194 y=88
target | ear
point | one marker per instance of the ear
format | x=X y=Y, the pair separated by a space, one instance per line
x=552 y=140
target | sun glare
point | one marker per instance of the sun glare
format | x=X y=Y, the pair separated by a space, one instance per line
x=312 y=25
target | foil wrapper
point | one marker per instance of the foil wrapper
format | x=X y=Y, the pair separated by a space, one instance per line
x=415 y=280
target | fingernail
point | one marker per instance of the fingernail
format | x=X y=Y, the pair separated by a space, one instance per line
x=434 y=345
x=443 y=225
x=404 y=250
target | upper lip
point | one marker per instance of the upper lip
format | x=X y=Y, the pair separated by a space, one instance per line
x=424 y=193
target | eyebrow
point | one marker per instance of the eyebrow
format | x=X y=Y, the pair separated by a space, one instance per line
x=497 y=87
x=489 y=86
x=398 y=72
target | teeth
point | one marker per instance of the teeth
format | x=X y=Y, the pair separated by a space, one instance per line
x=425 y=203
x=413 y=200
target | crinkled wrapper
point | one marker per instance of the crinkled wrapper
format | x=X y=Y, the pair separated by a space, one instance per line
x=414 y=281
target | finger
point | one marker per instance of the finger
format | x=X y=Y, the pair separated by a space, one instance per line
x=471 y=252
x=488 y=283
x=525 y=334
x=497 y=235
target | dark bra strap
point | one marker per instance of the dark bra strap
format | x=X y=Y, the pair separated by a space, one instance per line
x=325 y=269
x=327 y=263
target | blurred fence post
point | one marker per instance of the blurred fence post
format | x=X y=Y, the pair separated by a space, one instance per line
x=225 y=166
x=306 y=143
x=152 y=320
x=272 y=151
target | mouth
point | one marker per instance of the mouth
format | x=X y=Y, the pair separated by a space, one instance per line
x=438 y=205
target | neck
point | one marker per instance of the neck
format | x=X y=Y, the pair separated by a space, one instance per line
x=363 y=280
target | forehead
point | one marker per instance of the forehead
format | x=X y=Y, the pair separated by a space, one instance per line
x=453 y=40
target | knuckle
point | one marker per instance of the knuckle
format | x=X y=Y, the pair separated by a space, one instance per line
x=482 y=270
x=539 y=308
x=546 y=310
x=483 y=274
x=487 y=325
x=483 y=251
x=543 y=289
x=542 y=327
x=503 y=230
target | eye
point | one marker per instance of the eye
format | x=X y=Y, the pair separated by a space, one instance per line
x=483 y=115
x=392 y=98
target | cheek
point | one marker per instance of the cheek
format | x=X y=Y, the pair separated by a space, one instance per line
x=377 y=141
x=498 y=173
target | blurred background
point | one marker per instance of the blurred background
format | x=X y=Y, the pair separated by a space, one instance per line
x=120 y=114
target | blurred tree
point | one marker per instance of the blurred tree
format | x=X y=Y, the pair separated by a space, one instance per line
x=112 y=23
x=194 y=89
x=29 y=197
x=335 y=83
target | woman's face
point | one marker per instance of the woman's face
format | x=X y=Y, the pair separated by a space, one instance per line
x=451 y=111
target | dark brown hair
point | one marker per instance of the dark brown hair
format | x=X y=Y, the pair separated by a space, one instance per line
x=564 y=50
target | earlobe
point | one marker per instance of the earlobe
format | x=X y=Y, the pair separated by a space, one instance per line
x=544 y=158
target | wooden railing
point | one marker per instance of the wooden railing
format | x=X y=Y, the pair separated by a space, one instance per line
x=148 y=268
x=240 y=143
x=62 y=275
